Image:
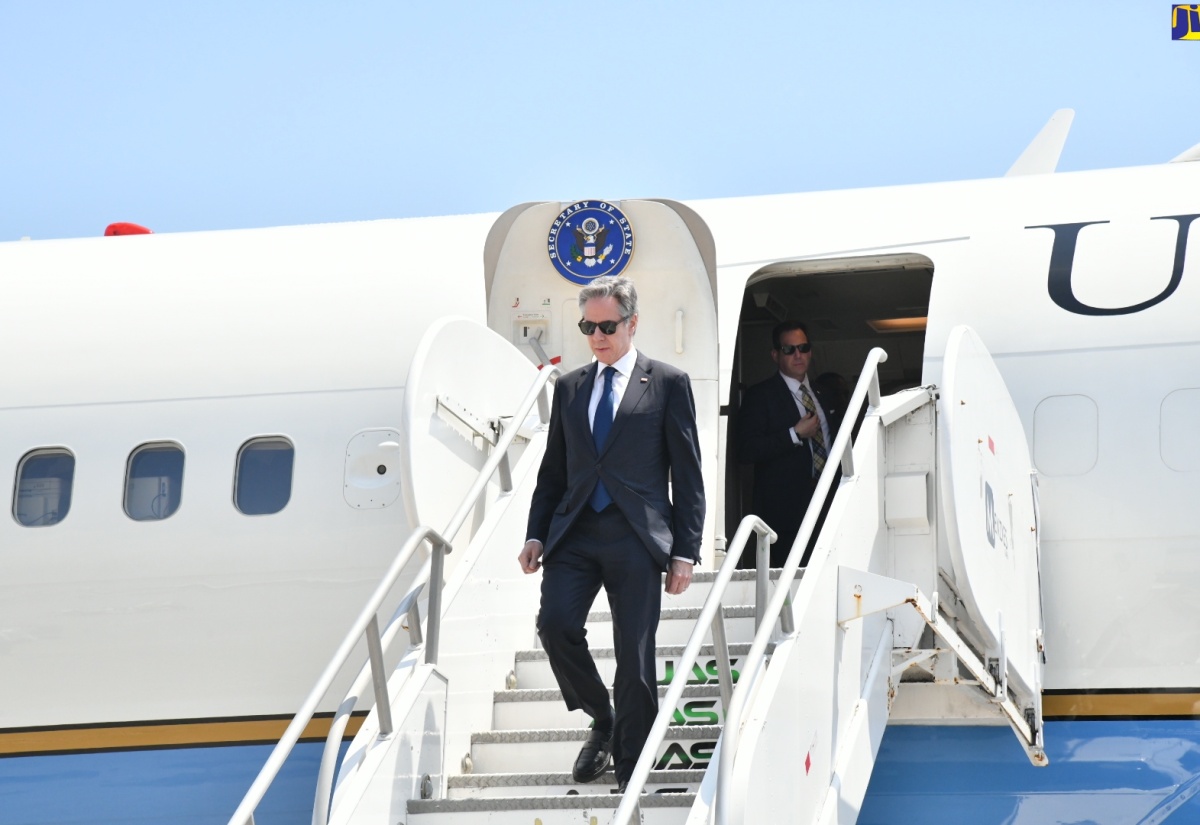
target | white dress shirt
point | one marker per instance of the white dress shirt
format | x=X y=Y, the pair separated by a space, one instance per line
x=794 y=386
x=624 y=367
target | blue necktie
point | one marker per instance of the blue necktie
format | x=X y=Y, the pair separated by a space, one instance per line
x=601 y=424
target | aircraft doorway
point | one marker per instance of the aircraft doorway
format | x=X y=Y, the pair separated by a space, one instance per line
x=849 y=306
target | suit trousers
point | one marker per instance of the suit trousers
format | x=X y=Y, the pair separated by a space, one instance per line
x=601 y=549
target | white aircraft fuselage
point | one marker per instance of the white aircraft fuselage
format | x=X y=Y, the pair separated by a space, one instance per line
x=209 y=626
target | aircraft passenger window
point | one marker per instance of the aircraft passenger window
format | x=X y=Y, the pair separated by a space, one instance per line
x=1179 y=444
x=44 y=481
x=154 y=481
x=1066 y=435
x=263 y=482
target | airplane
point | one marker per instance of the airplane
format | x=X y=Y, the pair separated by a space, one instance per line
x=224 y=444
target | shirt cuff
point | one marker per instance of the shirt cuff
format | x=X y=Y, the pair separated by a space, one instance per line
x=795 y=438
x=682 y=558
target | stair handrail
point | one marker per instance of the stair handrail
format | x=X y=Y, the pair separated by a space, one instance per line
x=497 y=459
x=367 y=618
x=866 y=390
x=367 y=623
x=341 y=718
x=710 y=615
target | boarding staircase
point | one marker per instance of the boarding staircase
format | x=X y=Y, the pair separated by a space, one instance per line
x=775 y=687
x=519 y=769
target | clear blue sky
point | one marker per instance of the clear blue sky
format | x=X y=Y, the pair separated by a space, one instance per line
x=189 y=116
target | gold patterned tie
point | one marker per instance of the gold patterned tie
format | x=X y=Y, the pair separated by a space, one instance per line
x=818 y=446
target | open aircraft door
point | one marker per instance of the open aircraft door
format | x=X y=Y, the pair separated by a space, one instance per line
x=464 y=385
x=989 y=555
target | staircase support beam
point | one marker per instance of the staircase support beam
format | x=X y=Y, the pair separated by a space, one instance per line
x=859 y=743
x=861 y=594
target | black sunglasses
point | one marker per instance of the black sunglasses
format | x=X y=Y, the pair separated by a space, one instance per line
x=788 y=349
x=607 y=327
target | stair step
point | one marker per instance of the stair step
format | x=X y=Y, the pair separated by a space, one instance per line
x=675 y=625
x=740 y=590
x=657 y=809
x=489 y=785
x=533 y=668
x=544 y=707
x=690 y=614
x=536 y=733
x=710 y=576
x=552 y=749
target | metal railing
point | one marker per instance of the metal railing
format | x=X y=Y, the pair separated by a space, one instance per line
x=866 y=390
x=764 y=614
x=367 y=624
x=711 y=616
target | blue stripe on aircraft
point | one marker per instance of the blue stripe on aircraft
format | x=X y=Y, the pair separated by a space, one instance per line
x=193 y=786
x=1100 y=773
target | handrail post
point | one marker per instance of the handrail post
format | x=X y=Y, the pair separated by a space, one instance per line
x=762 y=578
x=724 y=667
x=505 y=470
x=435 y=602
x=873 y=399
x=337 y=726
x=848 y=464
x=325 y=770
x=543 y=405
x=787 y=622
x=415 y=636
x=506 y=484
x=383 y=702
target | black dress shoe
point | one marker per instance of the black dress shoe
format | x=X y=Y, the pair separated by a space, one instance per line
x=594 y=757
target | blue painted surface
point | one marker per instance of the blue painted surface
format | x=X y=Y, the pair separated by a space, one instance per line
x=196 y=786
x=1100 y=773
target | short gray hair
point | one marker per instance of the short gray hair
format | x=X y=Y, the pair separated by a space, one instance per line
x=612 y=286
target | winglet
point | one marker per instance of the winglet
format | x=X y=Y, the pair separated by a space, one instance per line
x=1041 y=155
x=1190 y=154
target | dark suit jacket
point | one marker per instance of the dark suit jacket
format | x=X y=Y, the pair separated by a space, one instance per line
x=783 y=478
x=653 y=438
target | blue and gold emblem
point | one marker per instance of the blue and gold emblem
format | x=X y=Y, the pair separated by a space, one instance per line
x=589 y=239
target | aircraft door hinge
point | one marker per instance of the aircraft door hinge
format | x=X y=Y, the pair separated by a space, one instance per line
x=482 y=433
x=465 y=423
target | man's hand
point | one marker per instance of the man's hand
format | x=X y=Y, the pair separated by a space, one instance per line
x=530 y=558
x=679 y=576
x=807 y=426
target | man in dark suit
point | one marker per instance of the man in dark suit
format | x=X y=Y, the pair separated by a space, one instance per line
x=603 y=514
x=785 y=428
